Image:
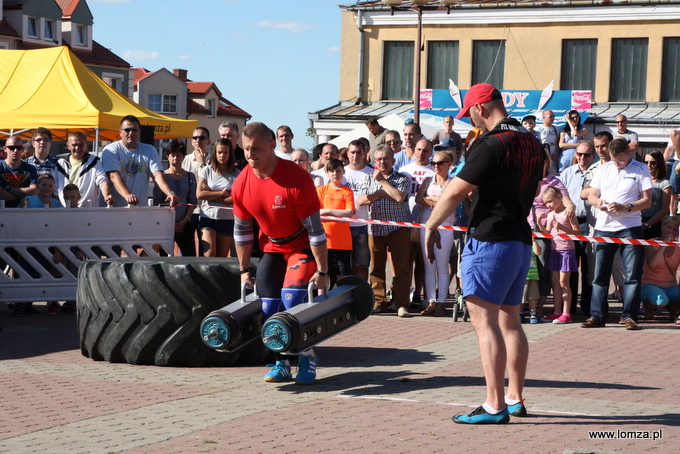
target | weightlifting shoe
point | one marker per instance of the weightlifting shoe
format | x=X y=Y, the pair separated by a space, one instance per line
x=278 y=372
x=517 y=409
x=307 y=369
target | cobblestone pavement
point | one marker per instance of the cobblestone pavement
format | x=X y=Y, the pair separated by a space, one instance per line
x=387 y=385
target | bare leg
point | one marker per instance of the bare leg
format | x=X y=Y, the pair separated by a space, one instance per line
x=485 y=320
x=517 y=350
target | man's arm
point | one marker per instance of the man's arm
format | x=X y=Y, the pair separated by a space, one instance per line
x=106 y=192
x=121 y=188
x=675 y=140
x=390 y=191
x=243 y=240
x=167 y=190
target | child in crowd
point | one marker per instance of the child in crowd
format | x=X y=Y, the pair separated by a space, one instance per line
x=337 y=200
x=659 y=274
x=44 y=197
x=71 y=196
x=531 y=293
x=562 y=254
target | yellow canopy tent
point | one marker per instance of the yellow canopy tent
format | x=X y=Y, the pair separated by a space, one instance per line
x=54 y=89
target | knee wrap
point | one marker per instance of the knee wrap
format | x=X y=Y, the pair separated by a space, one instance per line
x=293 y=296
x=270 y=306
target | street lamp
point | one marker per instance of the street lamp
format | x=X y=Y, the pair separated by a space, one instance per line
x=418 y=6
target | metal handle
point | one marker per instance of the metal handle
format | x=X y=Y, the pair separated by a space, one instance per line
x=245 y=285
x=310 y=291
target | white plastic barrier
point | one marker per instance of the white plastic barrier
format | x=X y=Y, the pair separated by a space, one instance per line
x=29 y=238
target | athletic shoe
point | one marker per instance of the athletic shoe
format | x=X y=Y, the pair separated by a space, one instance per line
x=518 y=409
x=52 y=308
x=631 y=325
x=278 y=372
x=564 y=318
x=533 y=319
x=307 y=369
x=480 y=416
x=403 y=312
x=553 y=316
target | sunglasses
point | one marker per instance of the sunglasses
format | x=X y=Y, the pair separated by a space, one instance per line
x=393 y=141
x=199 y=137
x=129 y=130
x=585 y=154
x=439 y=163
x=650 y=163
x=14 y=147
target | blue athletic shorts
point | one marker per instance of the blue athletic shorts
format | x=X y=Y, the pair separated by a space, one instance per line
x=495 y=271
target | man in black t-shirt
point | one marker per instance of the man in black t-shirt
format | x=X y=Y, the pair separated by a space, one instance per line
x=503 y=167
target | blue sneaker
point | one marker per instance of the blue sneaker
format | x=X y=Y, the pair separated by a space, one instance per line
x=518 y=409
x=480 y=416
x=533 y=319
x=307 y=369
x=278 y=372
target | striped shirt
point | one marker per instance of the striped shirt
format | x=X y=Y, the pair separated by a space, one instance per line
x=386 y=208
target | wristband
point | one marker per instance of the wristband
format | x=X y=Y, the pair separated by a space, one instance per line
x=171 y=192
x=322 y=274
x=244 y=271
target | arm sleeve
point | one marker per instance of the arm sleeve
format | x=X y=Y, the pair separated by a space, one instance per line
x=317 y=235
x=243 y=231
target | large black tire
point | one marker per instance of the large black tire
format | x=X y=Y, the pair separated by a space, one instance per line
x=148 y=310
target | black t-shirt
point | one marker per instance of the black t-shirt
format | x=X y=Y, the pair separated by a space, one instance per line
x=506 y=164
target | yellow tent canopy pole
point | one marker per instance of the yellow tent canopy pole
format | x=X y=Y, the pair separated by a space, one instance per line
x=52 y=88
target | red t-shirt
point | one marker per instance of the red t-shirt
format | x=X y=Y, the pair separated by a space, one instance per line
x=277 y=203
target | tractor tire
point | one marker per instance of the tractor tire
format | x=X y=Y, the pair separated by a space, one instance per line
x=147 y=310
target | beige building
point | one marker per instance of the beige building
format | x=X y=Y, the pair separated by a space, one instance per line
x=627 y=54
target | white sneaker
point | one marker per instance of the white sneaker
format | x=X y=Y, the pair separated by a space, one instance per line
x=403 y=312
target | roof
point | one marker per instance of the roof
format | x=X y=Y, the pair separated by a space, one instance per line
x=141 y=74
x=7 y=30
x=227 y=108
x=67 y=6
x=98 y=56
x=201 y=87
x=13 y=4
x=195 y=108
x=363 y=112
x=437 y=4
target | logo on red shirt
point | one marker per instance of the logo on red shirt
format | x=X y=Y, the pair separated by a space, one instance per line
x=278 y=202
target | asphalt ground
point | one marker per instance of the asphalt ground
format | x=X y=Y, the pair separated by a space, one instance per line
x=386 y=385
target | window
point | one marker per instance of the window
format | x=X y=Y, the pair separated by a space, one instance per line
x=670 y=82
x=629 y=69
x=81 y=35
x=579 y=62
x=114 y=81
x=162 y=103
x=442 y=63
x=397 y=79
x=210 y=105
x=488 y=62
x=48 y=30
x=32 y=27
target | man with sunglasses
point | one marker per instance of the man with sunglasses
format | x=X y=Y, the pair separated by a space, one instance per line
x=573 y=178
x=630 y=136
x=200 y=140
x=129 y=163
x=17 y=179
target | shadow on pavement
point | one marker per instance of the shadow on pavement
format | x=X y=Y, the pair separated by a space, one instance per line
x=37 y=335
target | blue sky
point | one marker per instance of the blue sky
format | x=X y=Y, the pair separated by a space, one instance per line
x=277 y=60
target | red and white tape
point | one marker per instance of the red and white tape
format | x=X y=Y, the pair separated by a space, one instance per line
x=564 y=236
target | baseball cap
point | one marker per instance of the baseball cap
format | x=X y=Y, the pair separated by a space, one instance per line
x=446 y=143
x=478 y=94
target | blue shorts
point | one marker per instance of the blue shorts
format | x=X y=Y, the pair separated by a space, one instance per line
x=221 y=226
x=563 y=261
x=495 y=271
x=361 y=255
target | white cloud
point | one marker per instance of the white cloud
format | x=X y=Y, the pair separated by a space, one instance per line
x=140 y=55
x=332 y=50
x=184 y=57
x=295 y=27
x=243 y=37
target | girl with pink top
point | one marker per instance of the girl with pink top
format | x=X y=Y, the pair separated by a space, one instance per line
x=562 y=253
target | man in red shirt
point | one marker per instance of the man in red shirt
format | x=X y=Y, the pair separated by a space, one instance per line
x=281 y=197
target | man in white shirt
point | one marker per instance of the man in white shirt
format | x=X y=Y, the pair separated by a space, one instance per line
x=355 y=174
x=284 y=135
x=630 y=136
x=550 y=138
x=200 y=139
x=85 y=171
x=620 y=189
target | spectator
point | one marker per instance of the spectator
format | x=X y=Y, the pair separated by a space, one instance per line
x=385 y=192
x=550 y=139
x=343 y=156
x=337 y=199
x=44 y=198
x=43 y=161
x=529 y=123
x=184 y=184
x=670 y=155
x=214 y=190
x=436 y=272
x=355 y=174
x=659 y=273
x=418 y=171
x=285 y=137
x=85 y=171
x=129 y=164
x=376 y=134
x=200 y=157
x=300 y=157
x=619 y=190
x=412 y=135
x=448 y=133
x=28 y=151
x=328 y=152
x=661 y=195
x=570 y=136
x=630 y=136
x=229 y=130
x=71 y=197
x=392 y=140
x=573 y=178
x=18 y=178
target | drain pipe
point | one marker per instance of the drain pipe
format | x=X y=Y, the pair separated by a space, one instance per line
x=360 y=75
